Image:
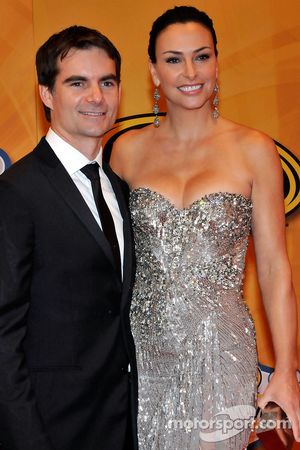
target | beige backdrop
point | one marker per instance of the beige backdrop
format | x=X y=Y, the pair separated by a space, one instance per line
x=259 y=60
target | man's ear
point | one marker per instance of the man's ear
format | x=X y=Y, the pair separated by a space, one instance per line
x=46 y=96
x=153 y=73
x=119 y=91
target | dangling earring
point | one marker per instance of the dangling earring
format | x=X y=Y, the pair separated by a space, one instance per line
x=215 y=113
x=156 y=97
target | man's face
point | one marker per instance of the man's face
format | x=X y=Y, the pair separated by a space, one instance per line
x=85 y=97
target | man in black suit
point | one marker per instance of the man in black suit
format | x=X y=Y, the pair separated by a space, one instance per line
x=65 y=275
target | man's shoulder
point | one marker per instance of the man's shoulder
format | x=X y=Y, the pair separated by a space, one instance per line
x=23 y=182
x=25 y=167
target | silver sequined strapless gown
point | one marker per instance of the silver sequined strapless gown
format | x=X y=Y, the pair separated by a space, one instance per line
x=195 y=339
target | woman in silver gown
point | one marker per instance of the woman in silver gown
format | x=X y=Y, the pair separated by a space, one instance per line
x=198 y=184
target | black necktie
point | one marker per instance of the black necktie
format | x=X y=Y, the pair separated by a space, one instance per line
x=91 y=171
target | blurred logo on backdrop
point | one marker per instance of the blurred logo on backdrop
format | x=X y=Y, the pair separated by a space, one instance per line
x=5 y=162
x=291 y=171
x=290 y=163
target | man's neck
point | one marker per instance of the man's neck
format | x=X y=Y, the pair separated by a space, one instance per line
x=88 y=146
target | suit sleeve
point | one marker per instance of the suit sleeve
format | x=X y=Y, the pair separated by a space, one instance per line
x=21 y=427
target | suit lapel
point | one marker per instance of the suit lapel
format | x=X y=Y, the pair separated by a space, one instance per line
x=64 y=185
x=128 y=241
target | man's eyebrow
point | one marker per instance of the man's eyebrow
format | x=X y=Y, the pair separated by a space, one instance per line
x=73 y=78
x=175 y=52
x=110 y=76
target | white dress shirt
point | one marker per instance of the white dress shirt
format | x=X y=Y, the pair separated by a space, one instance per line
x=73 y=160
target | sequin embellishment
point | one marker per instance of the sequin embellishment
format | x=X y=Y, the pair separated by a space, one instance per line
x=195 y=339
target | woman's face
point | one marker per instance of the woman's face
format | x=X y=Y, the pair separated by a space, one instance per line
x=186 y=66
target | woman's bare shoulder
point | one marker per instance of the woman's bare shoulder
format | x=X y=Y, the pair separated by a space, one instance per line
x=131 y=139
x=127 y=148
x=260 y=150
x=254 y=143
x=261 y=156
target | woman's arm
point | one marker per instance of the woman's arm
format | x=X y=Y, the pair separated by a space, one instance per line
x=274 y=274
x=123 y=156
x=116 y=161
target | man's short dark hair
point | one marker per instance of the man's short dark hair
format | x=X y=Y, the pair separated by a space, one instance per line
x=59 y=45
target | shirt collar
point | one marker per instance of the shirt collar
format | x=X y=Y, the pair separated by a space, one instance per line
x=71 y=158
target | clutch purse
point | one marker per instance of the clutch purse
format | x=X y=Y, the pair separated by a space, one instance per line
x=272 y=429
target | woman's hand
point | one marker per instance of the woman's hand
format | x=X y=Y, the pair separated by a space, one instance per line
x=284 y=390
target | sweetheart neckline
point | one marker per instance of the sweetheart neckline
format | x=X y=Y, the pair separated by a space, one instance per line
x=205 y=196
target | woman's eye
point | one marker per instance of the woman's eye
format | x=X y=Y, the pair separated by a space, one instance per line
x=202 y=57
x=172 y=60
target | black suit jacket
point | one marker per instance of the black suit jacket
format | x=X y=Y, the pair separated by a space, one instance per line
x=65 y=341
